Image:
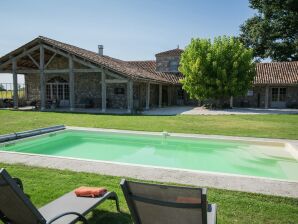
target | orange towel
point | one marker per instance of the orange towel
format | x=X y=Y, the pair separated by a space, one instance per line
x=189 y=200
x=90 y=191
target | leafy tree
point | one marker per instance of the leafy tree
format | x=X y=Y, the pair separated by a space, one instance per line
x=218 y=69
x=2 y=87
x=273 y=31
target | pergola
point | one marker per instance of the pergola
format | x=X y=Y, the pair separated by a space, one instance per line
x=36 y=56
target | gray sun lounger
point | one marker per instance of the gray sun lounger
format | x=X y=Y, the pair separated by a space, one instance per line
x=156 y=204
x=16 y=208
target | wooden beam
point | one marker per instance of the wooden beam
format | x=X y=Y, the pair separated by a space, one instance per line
x=88 y=64
x=19 y=56
x=42 y=79
x=160 y=96
x=50 y=60
x=88 y=70
x=15 y=84
x=129 y=96
x=111 y=81
x=170 y=89
x=103 y=91
x=267 y=97
x=147 y=96
x=114 y=75
x=33 y=60
x=231 y=102
x=71 y=85
x=52 y=71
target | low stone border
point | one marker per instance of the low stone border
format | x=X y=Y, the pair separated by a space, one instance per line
x=222 y=181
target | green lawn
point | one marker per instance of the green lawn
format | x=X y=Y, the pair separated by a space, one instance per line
x=268 y=126
x=44 y=185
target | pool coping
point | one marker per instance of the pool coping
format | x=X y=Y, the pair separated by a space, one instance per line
x=198 y=178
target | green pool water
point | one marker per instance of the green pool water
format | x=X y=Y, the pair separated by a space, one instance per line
x=234 y=157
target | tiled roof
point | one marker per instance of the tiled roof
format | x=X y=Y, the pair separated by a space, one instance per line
x=267 y=73
x=277 y=73
x=109 y=62
x=150 y=66
x=173 y=52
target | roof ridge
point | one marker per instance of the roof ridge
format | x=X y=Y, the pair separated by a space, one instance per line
x=142 y=61
x=276 y=62
x=174 y=52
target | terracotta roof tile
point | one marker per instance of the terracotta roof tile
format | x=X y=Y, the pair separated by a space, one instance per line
x=150 y=66
x=117 y=65
x=277 y=73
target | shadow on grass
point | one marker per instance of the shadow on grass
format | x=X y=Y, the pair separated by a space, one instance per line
x=96 y=114
x=101 y=216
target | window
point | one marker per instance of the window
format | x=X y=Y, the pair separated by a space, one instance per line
x=278 y=94
x=274 y=94
x=282 y=94
x=180 y=94
x=57 y=89
x=250 y=93
x=119 y=91
x=173 y=66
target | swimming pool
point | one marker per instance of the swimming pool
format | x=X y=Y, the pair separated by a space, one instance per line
x=259 y=159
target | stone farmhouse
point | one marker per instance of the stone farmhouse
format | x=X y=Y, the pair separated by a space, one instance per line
x=59 y=75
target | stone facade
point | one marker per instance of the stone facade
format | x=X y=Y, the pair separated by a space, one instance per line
x=88 y=88
x=32 y=82
x=167 y=63
x=257 y=97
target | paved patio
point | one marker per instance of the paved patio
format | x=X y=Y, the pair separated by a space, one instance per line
x=178 y=110
x=203 y=111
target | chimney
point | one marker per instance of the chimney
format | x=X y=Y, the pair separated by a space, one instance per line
x=100 y=50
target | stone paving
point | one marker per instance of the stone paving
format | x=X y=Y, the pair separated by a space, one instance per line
x=202 y=111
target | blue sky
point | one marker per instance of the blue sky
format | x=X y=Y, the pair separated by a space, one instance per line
x=128 y=29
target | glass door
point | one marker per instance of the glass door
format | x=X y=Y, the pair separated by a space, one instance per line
x=278 y=97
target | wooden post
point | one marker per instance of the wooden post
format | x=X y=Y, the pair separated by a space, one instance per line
x=160 y=96
x=231 y=102
x=42 y=79
x=129 y=96
x=147 y=96
x=103 y=91
x=71 y=85
x=15 y=84
x=267 y=97
x=169 y=95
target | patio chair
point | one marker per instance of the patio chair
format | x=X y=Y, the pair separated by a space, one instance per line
x=16 y=208
x=154 y=203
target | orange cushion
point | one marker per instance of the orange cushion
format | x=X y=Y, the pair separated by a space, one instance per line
x=189 y=200
x=90 y=191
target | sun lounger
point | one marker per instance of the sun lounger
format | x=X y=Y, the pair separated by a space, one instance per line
x=154 y=204
x=16 y=208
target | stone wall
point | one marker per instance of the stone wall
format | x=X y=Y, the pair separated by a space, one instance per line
x=167 y=63
x=258 y=97
x=87 y=90
x=292 y=96
x=115 y=100
x=32 y=82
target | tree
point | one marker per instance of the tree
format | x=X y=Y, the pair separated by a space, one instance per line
x=2 y=87
x=273 y=31
x=216 y=70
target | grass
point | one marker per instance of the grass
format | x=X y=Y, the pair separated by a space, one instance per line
x=267 y=126
x=8 y=94
x=44 y=185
